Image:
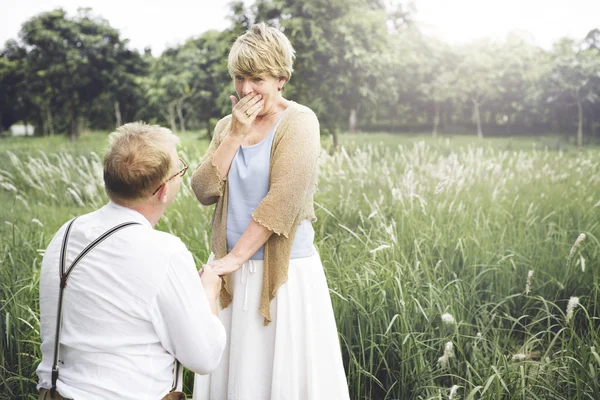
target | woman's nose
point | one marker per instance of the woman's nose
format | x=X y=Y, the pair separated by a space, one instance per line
x=248 y=87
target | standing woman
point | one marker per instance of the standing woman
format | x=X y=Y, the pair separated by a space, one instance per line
x=261 y=171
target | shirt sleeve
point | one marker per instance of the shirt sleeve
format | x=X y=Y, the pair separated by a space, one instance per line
x=207 y=183
x=294 y=164
x=183 y=320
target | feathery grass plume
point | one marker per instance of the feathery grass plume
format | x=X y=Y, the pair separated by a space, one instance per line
x=440 y=186
x=448 y=318
x=573 y=302
x=9 y=186
x=448 y=354
x=506 y=257
x=37 y=221
x=75 y=196
x=453 y=391
x=528 y=285
x=577 y=243
x=382 y=247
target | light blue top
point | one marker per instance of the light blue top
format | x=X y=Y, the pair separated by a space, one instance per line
x=248 y=181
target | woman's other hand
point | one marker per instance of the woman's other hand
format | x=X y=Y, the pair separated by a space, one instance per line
x=244 y=112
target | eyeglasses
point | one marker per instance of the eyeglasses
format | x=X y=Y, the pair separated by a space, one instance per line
x=181 y=172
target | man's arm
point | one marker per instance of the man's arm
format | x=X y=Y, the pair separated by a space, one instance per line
x=183 y=319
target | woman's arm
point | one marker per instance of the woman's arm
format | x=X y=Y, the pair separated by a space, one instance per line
x=209 y=178
x=251 y=240
x=293 y=166
x=242 y=115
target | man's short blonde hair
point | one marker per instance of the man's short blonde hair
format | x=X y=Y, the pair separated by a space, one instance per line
x=138 y=161
x=262 y=50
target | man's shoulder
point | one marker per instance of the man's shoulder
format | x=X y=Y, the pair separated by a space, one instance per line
x=161 y=242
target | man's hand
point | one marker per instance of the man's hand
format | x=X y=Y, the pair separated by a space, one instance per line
x=211 y=281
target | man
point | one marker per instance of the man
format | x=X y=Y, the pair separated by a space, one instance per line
x=134 y=304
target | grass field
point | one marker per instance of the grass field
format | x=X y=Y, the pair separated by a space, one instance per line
x=458 y=268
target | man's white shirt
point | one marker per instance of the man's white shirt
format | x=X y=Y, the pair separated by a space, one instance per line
x=131 y=306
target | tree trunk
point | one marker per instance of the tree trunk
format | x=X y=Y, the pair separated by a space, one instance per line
x=579 y=126
x=49 y=122
x=209 y=129
x=335 y=139
x=118 y=121
x=180 y=113
x=445 y=119
x=73 y=122
x=436 y=119
x=352 y=121
x=477 y=118
x=172 y=117
x=44 y=123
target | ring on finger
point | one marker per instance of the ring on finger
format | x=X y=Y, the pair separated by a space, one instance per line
x=247 y=114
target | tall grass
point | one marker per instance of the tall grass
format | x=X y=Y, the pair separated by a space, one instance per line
x=427 y=247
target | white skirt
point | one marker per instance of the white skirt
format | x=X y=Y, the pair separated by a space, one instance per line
x=296 y=357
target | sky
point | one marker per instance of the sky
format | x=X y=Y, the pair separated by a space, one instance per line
x=159 y=24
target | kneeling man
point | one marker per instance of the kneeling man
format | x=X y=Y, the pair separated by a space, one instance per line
x=122 y=305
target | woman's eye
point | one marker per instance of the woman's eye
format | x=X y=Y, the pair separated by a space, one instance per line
x=239 y=78
x=257 y=79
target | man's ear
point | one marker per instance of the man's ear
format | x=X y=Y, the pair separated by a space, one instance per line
x=162 y=192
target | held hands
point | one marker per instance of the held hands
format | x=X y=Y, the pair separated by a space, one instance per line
x=244 y=112
x=226 y=265
x=211 y=281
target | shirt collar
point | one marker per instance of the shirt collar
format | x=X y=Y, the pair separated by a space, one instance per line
x=128 y=213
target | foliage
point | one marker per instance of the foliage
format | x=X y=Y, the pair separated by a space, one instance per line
x=360 y=63
x=424 y=242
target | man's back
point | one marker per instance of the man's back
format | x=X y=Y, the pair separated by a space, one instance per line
x=130 y=306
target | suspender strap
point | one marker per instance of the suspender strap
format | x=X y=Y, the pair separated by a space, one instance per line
x=64 y=276
x=176 y=376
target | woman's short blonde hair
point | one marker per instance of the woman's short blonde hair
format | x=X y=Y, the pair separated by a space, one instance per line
x=138 y=161
x=262 y=50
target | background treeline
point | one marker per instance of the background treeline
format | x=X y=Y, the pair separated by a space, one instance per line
x=361 y=64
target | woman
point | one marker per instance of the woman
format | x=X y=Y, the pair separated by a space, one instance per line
x=261 y=171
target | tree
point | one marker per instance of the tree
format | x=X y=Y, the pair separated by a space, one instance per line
x=213 y=82
x=73 y=58
x=573 y=77
x=439 y=78
x=479 y=77
x=592 y=39
x=338 y=44
x=13 y=82
x=174 y=78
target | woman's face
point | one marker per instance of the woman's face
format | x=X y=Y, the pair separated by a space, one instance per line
x=267 y=86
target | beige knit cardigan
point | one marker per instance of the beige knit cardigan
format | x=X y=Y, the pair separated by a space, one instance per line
x=292 y=185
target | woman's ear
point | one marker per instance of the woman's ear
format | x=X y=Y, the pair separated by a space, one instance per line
x=281 y=84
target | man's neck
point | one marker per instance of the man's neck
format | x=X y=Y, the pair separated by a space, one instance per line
x=149 y=211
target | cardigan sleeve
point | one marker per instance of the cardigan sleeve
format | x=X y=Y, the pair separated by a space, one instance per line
x=294 y=164
x=207 y=183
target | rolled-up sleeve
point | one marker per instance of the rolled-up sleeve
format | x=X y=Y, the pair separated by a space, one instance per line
x=182 y=317
x=207 y=183
x=294 y=164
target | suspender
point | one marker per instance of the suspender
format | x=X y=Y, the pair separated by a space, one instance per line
x=64 y=276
